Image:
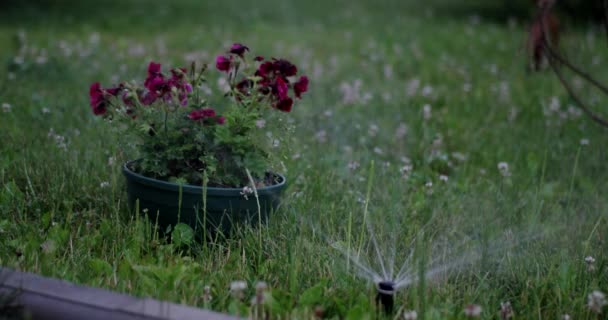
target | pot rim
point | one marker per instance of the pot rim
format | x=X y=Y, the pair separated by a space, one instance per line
x=188 y=188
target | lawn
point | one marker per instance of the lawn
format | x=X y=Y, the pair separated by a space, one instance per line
x=422 y=132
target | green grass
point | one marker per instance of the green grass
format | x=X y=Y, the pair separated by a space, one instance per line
x=57 y=220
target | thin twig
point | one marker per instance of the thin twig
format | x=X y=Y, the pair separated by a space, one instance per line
x=575 y=69
x=552 y=56
x=574 y=96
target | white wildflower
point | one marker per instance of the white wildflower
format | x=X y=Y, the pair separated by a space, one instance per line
x=223 y=85
x=401 y=131
x=584 y=142
x=261 y=123
x=46 y=110
x=6 y=107
x=388 y=71
x=378 y=151
x=412 y=87
x=566 y=317
x=237 y=288
x=207 y=294
x=506 y=310
x=104 y=184
x=353 y=165
x=503 y=167
x=321 y=136
x=555 y=104
x=590 y=261
x=427 y=111
x=596 y=301
x=459 y=156
x=373 y=130
x=443 y=178
x=246 y=192
x=427 y=91
x=410 y=315
x=472 y=311
x=261 y=294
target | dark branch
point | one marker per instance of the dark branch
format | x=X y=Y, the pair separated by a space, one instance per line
x=575 y=69
x=553 y=57
x=574 y=96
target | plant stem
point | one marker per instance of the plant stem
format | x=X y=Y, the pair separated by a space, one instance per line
x=367 y=196
x=257 y=200
x=578 y=153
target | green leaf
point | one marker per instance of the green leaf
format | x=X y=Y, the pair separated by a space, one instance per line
x=100 y=267
x=313 y=295
x=182 y=235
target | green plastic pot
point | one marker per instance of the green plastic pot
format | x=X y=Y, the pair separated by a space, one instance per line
x=225 y=207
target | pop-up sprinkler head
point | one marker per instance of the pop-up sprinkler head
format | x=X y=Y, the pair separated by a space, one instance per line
x=386 y=296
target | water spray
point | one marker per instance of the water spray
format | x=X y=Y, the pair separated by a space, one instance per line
x=386 y=296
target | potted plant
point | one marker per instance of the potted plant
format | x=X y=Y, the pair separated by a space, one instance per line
x=203 y=162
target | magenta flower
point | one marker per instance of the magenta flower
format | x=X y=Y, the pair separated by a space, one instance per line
x=238 y=49
x=178 y=80
x=154 y=75
x=220 y=120
x=281 y=87
x=153 y=68
x=284 y=105
x=201 y=114
x=285 y=68
x=265 y=69
x=97 y=99
x=222 y=63
x=301 y=86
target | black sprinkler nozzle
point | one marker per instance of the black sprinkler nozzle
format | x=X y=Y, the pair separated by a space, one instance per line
x=386 y=296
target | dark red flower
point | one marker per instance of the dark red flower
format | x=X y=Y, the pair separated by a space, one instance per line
x=285 y=68
x=222 y=63
x=116 y=90
x=238 y=49
x=178 y=80
x=153 y=68
x=244 y=86
x=281 y=89
x=202 y=114
x=97 y=99
x=147 y=98
x=301 y=86
x=258 y=58
x=265 y=69
x=284 y=105
x=220 y=120
x=155 y=82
